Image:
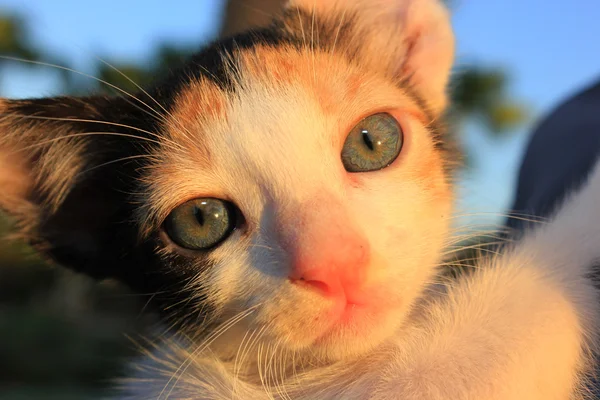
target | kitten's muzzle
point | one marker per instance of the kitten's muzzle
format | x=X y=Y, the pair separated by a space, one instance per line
x=330 y=257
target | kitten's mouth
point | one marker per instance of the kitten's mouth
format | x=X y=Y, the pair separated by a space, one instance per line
x=354 y=319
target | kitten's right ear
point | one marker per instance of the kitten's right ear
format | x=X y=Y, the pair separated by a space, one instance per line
x=409 y=40
x=66 y=171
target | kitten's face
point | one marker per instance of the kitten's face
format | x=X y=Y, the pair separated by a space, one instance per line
x=275 y=152
x=300 y=179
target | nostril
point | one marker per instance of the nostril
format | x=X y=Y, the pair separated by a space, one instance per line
x=312 y=284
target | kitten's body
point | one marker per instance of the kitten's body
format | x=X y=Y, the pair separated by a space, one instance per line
x=316 y=142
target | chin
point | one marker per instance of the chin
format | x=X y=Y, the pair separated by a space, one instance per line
x=339 y=330
x=358 y=330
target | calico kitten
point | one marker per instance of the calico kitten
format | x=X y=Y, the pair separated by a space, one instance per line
x=287 y=196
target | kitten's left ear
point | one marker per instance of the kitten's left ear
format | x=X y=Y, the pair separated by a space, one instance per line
x=410 y=40
x=66 y=169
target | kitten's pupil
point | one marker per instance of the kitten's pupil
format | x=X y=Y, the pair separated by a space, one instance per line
x=367 y=139
x=200 y=216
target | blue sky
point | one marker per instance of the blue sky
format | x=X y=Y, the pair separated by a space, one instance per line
x=550 y=48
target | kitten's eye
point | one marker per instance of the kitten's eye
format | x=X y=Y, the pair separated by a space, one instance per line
x=201 y=224
x=372 y=144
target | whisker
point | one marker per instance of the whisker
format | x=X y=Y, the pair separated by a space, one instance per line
x=312 y=42
x=181 y=126
x=263 y=246
x=147 y=303
x=338 y=29
x=64 y=119
x=118 y=160
x=477 y=235
x=208 y=341
x=263 y=374
x=154 y=113
x=238 y=360
x=301 y=27
x=468 y=238
x=83 y=134
x=461 y=241
x=271 y=368
x=477 y=247
x=509 y=215
x=283 y=367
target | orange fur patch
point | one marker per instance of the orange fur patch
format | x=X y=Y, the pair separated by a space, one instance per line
x=195 y=106
x=429 y=171
x=14 y=178
x=201 y=99
x=329 y=78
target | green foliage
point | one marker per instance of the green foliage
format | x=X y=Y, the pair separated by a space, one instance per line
x=61 y=334
x=49 y=392
x=127 y=76
x=16 y=48
x=52 y=349
x=506 y=116
x=481 y=93
x=14 y=38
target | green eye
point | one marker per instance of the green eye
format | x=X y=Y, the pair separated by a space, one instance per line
x=372 y=144
x=201 y=224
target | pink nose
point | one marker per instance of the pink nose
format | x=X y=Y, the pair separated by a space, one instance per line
x=333 y=261
x=328 y=254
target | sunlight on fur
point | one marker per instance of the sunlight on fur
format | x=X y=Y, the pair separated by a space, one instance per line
x=287 y=198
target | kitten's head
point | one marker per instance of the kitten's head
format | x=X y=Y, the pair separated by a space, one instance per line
x=295 y=171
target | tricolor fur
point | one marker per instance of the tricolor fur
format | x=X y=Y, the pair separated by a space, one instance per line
x=259 y=120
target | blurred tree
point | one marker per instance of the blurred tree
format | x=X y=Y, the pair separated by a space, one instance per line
x=16 y=45
x=481 y=93
x=243 y=14
x=128 y=75
x=15 y=40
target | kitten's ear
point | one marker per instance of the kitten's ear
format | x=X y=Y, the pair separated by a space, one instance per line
x=62 y=181
x=410 y=40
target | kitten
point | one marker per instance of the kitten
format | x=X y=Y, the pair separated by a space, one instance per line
x=287 y=195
